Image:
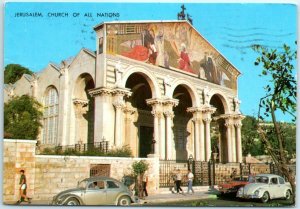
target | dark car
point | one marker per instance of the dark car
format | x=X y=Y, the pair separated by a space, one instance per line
x=231 y=187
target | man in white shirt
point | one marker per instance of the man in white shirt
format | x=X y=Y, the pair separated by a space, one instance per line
x=190 y=181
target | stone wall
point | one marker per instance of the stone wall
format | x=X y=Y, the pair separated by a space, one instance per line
x=47 y=175
x=17 y=155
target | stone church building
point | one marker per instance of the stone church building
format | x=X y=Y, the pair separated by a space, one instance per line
x=157 y=86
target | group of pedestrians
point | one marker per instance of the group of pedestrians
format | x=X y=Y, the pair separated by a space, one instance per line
x=177 y=178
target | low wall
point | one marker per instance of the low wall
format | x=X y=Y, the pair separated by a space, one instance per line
x=47 y=175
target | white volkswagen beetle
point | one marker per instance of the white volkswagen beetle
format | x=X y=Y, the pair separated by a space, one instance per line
x=266 y=187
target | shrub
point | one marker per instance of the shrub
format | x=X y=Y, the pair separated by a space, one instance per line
x=125 y=151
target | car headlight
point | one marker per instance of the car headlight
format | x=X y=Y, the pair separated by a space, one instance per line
x=256 y=193
x=241 y=190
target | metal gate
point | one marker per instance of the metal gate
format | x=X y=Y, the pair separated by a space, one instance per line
x=100 y=170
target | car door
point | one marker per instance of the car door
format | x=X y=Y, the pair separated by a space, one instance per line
x=274 y=188
x=282 y=190
x=95 y=193
x=113 y=190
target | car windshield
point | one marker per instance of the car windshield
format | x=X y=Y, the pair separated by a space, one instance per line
x=81 y=184
x=262 y=179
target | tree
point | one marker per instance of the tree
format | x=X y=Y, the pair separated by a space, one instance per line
x=22 y=118
x=280 y=96
x=250 y=137
x=139 y=169
x=14 y=72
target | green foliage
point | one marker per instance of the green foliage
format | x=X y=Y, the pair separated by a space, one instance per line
x=281 y=94
x=14 y=72
x=140 y=167
x=250 y=137
x=124 y=151
x=289 y=135
x=200 y=204
x=22 y=118
x=282 y=89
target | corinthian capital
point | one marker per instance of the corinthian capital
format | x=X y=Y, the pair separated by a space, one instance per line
x=238 y=125
x=228 y=124
x=119 y=104
x=157 y=113
x=169 y=113
x=101 y=91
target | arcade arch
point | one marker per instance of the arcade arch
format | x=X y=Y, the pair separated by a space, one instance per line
x=183 y=126
x=139 y=129
x=218 y=128
x=84 y=109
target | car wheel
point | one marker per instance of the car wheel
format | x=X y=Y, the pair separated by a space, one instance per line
x=288 y=195
x=124 y=200
x=265 y=198
x=72 y=201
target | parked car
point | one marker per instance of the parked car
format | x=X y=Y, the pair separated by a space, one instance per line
x=266 y=187
x=95 y=191
x=231 y=187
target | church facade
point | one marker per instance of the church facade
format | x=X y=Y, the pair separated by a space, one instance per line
x=156 y=86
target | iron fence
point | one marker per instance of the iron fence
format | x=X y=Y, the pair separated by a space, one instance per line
x=211 y=173
x=92 y=147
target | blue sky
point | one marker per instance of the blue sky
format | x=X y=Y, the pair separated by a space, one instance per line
x=231 y=28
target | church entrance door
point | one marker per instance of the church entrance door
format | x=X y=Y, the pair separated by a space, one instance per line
x=146 y=136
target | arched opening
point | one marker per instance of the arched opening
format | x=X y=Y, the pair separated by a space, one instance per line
x=141 y=138
x=218 y=130
x=183 y=128
x=84 y=109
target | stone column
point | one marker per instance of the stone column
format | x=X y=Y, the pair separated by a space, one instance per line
x=169 y=134
x=228 y=126
x=207 y=112
x=238 y=139
x=239 y=142
x=162 y=135
x=157 y=112
x=119 y=104
x=201 y=141
x=207 y=139
x=233 y=143
x=104 y=114
x=169 y=114
x=129 y=120
x=199 y=151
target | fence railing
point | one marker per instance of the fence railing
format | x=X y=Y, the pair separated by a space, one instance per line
x=93 y=147
x=211 y=173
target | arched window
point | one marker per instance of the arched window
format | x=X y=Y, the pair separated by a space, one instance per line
x=50 y=116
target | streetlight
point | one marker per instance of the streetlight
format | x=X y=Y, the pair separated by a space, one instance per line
x=190 y=160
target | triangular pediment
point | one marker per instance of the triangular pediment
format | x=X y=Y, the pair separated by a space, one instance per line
x=173 y=45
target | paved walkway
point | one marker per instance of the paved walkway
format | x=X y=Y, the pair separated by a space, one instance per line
x=164 y=196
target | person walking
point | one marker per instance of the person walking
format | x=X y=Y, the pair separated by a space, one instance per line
x=173 y=178
x=145 y=181
x=190 y=177
x=23 y=188
x=178 y=181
